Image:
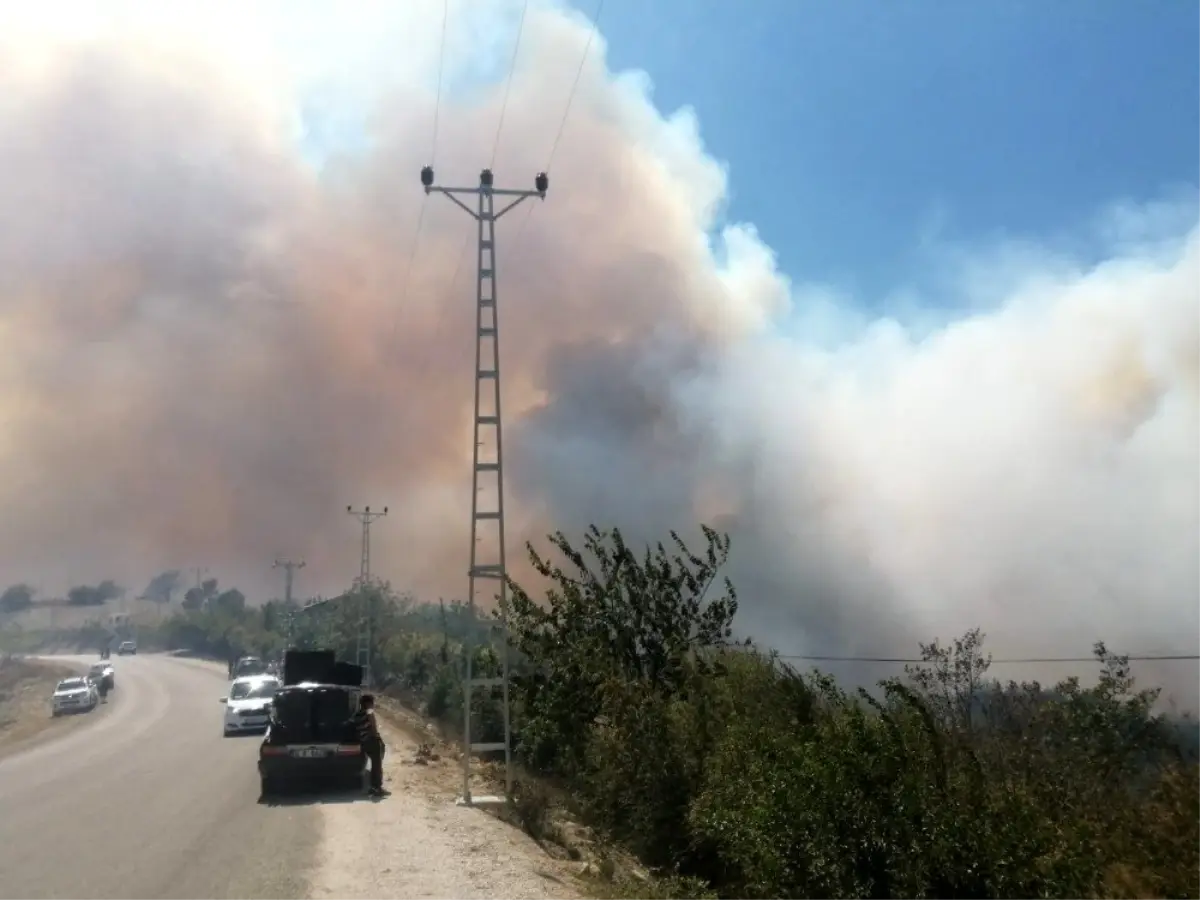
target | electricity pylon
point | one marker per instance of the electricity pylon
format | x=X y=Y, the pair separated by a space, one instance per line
x=487 y=416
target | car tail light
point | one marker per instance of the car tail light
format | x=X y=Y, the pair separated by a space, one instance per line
x=349 y=750
x=274 y=751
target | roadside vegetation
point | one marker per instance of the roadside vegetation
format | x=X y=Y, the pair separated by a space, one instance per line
x=25 y=690
x=729 y=773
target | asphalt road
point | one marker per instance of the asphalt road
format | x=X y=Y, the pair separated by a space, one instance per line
x=150 y=801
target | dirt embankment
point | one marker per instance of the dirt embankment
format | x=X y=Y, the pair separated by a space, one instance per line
x=25 y=689
x=418 y=843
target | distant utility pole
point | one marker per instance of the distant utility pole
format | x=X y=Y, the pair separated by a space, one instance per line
x=487 y=416
x=365 y=515
x=199 y=572
x=289 y=572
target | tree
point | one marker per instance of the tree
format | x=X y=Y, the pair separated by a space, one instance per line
x=97 y=595
x=232 y=602
x=16 y=597
x=202 y=595
x=162 y=586
x=611 y=614
x=951 y=678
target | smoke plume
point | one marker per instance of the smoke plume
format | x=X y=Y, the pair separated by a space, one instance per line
x=214 y=342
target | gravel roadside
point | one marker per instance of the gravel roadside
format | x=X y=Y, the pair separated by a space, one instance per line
x=418 y=843
x=25 y=690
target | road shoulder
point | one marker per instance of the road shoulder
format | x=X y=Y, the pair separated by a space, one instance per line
x=418 y=843
x=25 y=689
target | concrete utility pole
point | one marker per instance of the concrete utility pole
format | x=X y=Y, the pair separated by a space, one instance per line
x=289 y=571
x=487 y=416
x=366 y=516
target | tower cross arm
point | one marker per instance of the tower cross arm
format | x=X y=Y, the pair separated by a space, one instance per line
x=498 y=192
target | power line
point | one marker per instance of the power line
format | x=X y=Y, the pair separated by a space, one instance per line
x=562 y=125
x=1015 y=661
x=512 y=68
x=587 y=49
x=437 y=116
x=437 y=105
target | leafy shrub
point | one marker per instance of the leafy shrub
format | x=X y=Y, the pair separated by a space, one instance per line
x=735 y=775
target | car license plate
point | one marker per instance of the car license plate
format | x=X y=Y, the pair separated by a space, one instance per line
x=308 y=752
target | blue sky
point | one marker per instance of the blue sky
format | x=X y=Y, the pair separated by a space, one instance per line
x=857 y=131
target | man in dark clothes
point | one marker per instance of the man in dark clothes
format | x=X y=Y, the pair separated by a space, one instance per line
x=371 y=741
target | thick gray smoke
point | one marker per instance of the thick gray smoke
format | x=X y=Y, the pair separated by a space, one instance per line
x=213 y=346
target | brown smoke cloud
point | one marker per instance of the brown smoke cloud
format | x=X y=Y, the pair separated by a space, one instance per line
x=212 y=347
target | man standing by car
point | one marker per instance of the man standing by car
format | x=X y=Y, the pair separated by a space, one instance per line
x=372 y=742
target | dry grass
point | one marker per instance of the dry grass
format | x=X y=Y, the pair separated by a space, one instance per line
x=539 y=809
x=25 y=689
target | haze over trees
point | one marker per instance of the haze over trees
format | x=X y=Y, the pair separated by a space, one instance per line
x=93 y=595
x=162 y=586
x=16 y=597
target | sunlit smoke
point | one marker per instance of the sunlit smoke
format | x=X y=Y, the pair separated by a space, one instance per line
x=214 y=343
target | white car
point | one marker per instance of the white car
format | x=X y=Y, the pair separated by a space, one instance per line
x=74 y=695
x=248 y=706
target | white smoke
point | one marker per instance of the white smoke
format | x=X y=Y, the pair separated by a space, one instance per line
x=212 y=348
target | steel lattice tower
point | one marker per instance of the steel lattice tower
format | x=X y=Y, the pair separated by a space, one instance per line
x=366 y=516
x=487 y=562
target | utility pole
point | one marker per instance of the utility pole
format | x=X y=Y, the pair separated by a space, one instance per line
x=366 y=516
x=289 y=571
x=493 y=566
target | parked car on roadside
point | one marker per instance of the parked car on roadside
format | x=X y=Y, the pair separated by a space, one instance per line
x=312 y=740
x=74 y=695
x=248 y=706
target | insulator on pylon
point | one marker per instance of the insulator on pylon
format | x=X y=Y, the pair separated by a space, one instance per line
x=485 y=178
x=427 y=176
x=541 y=182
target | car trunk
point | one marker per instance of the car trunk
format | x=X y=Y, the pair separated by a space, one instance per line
x=319 y=715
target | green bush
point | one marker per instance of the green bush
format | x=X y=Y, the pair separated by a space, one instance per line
x=731 y=773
